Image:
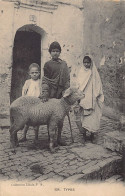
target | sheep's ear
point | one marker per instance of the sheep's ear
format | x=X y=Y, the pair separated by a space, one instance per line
x=67 y=92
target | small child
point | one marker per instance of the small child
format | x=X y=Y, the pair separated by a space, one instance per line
x=32 y=88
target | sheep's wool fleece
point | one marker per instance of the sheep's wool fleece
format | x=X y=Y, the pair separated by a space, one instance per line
x=31 y=88
x=89 y=82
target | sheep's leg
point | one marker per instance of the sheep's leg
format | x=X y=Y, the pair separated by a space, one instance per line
x=36 y=130
x=48 y=133
x=60 y=126
x=13 y=138
x=16 y=139
x=24 y=134
x=52 y=127
x=17 y=123
x=70 y=127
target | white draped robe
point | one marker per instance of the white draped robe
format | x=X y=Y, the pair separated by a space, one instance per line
x=88 y=80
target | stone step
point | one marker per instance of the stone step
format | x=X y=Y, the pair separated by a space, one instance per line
x=102 y=165
x=115 y=141
x=115 y=179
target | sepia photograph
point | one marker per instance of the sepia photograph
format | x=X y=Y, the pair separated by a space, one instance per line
x=62 y=97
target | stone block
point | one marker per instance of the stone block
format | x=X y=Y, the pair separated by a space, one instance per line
x=101 y=171
x=114 y=179
x=41 y=178
x=57 y=178
x=114 y=141
x=74 y=178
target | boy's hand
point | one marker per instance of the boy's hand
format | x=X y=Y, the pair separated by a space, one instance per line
x=44 y=99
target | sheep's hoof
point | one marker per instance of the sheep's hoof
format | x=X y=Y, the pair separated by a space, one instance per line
x=36 y=142
x=61 y=143
x=17 y=145
x=52 y=149
x=23 y=140
x=13 y=151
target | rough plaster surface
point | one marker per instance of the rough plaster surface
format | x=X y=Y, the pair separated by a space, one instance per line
x=60 y=22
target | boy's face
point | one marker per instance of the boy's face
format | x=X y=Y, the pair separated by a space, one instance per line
x=55 y=54
x=87 y=63
x=34 y=73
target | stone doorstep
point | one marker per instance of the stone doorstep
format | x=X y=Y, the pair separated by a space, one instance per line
x=101 y=171
x=115 y=141
x=114 y=179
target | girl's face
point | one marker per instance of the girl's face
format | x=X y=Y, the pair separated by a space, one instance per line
x=55 y=54
x=87 y=63
x=34 y=73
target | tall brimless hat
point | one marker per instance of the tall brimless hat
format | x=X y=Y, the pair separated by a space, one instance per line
x=54 y=45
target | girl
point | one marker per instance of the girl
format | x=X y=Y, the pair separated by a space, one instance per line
x=89 y=110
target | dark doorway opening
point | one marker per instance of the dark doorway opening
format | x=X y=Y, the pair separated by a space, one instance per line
x=26 y=50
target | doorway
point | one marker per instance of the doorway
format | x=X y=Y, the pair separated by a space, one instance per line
x=26 y=50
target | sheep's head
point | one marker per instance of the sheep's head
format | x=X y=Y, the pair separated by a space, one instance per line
x=72 y=95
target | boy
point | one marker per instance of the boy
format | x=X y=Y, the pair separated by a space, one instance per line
x=56 y=77
x=32 y=88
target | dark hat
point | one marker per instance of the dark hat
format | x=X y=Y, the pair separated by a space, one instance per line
x=54 y=45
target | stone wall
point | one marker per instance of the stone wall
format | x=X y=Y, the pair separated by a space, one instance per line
x=104 y=27
x=6 y=45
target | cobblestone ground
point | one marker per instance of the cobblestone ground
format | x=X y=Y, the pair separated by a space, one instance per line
x=72 y=161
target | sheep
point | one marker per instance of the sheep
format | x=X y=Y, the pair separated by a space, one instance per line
x=33 y=112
